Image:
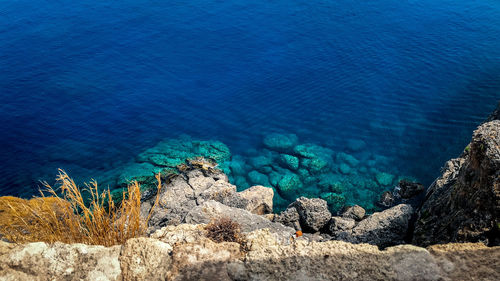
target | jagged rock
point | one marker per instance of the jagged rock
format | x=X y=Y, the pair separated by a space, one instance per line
x=409 y=189
x=386 y=199
x=58 y=261
x=196 y=186
x=257 y=199
x=313 y=213
x=385 y=228
x=289 y=217
x=211 y=210
x=219 y=190
x=355 y=212
x=463 y=204
x=340 y=228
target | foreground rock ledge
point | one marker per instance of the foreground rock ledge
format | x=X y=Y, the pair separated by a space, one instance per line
x=183 y=253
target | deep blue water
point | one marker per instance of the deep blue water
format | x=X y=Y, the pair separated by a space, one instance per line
x=88 y=85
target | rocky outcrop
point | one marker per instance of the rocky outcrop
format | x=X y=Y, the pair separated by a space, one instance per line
x=463 y=204
x=196 y=186
x=211 y=210
x=406 y=192
x=184 y=253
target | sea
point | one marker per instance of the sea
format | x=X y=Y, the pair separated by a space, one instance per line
x=86 y=86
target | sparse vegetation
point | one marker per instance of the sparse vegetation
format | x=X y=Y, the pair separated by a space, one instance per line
x=71 y=218
x=225 y=230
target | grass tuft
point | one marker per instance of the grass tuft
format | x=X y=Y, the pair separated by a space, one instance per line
x=73 y=218
x=225 y=230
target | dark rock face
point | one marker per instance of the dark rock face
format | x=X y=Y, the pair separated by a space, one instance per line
x=313 y=213
x=463 y=204
x=289 y=217
x=386 y=199
x=409 y=189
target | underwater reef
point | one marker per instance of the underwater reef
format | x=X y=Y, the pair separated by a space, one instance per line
x=291 y=168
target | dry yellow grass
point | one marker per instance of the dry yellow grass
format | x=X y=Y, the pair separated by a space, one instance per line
x=69 y=219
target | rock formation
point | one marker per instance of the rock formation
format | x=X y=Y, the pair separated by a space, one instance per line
x=184 y=253
x=463 y=204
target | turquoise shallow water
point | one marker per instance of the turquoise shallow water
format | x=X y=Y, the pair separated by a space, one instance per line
x=90 y=86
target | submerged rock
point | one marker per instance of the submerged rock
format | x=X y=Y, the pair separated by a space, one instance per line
x=280 y=142
x=289 y=161
x=355 y=145
x=314 y=165
x=344 y=169
x=258 y=178
x=384 y=179
x=289 y=186
x=335 y=201
x=344 y=158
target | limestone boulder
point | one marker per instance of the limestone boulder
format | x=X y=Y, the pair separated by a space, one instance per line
x=42 y=261
x=386 y=228
x=313 y=213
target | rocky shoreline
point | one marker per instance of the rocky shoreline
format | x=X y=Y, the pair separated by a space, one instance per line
x=304 y=241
